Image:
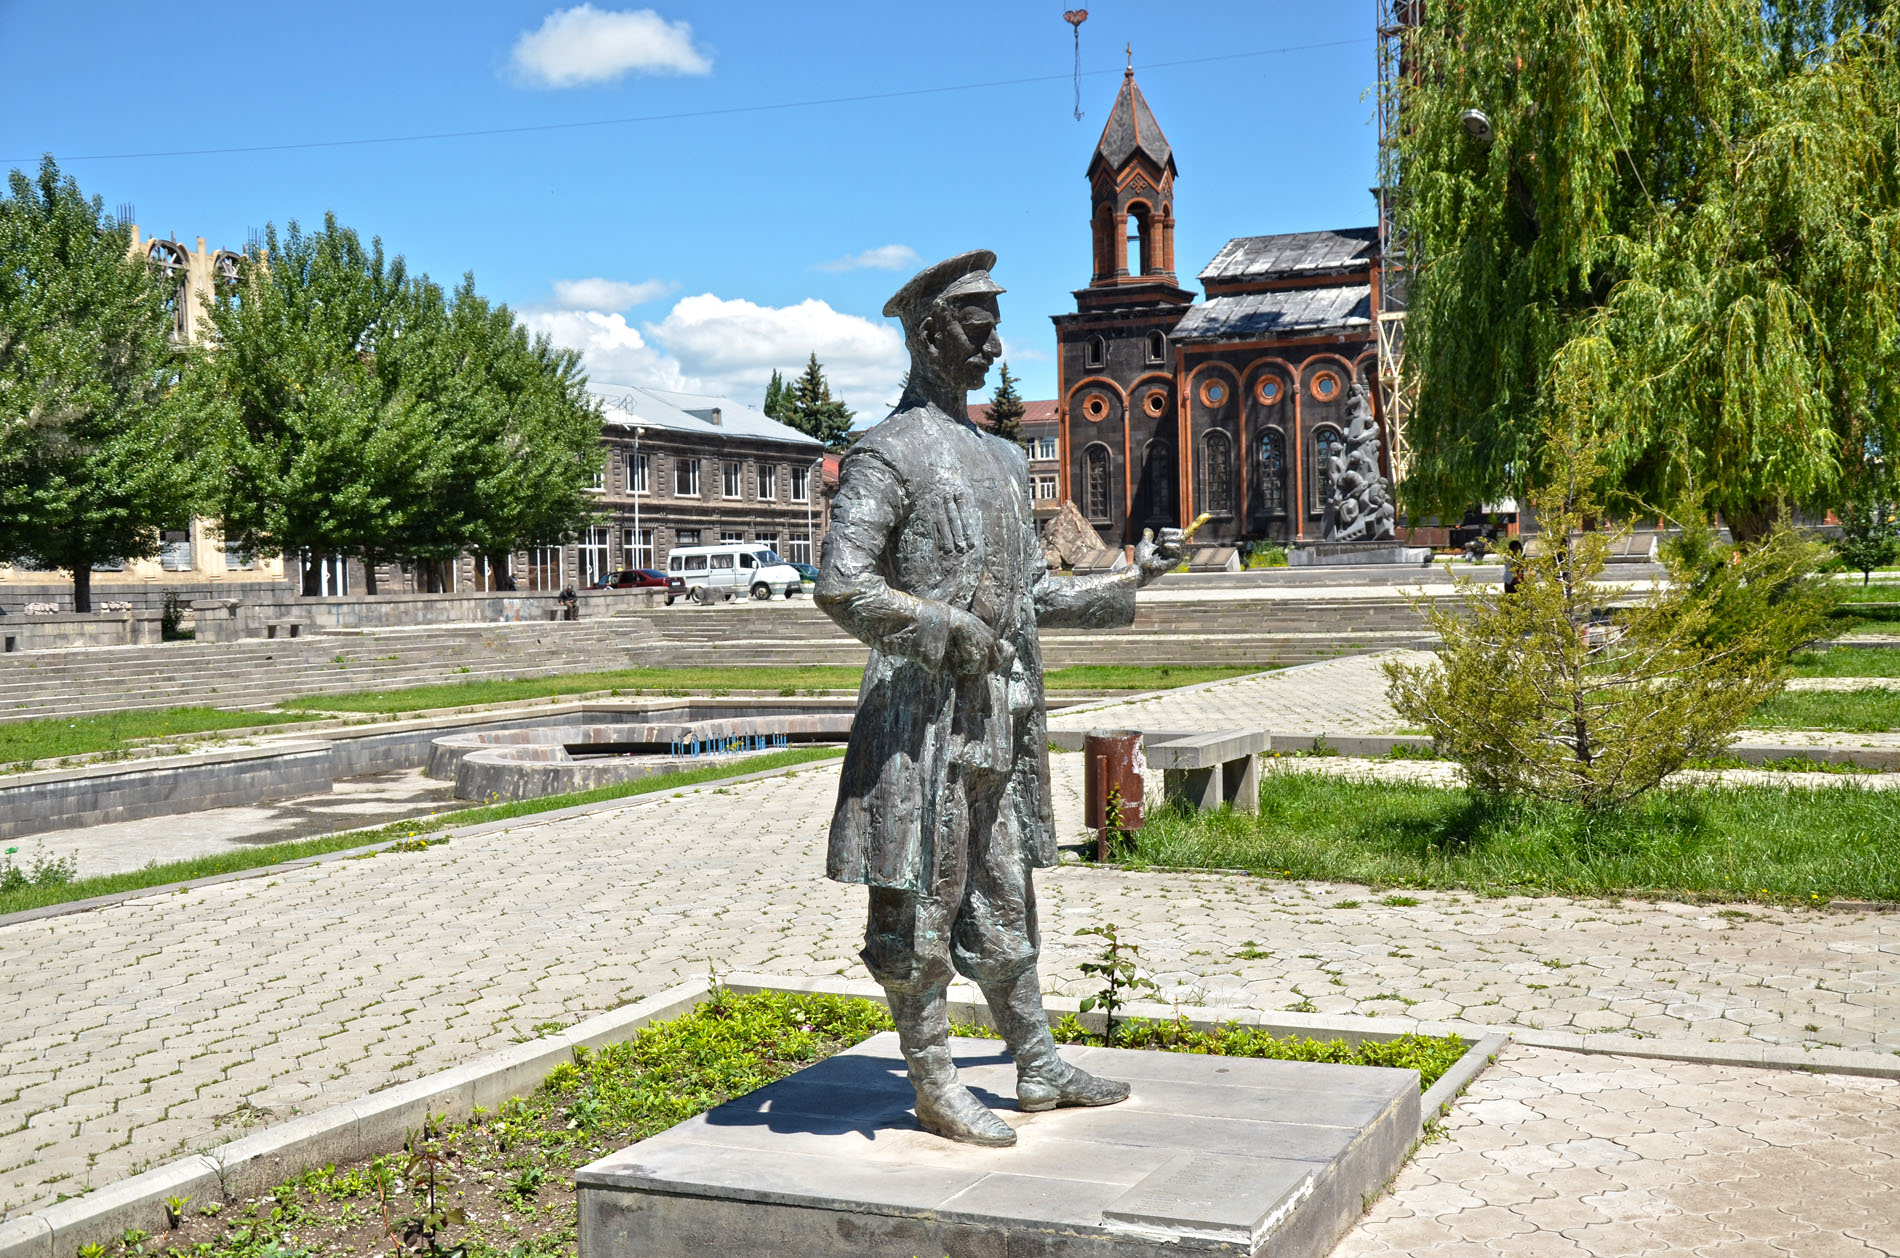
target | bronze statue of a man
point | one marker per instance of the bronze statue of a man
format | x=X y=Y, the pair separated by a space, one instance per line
x=944 y=807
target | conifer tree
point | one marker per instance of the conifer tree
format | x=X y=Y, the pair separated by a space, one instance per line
x=811 y=409
x=1006 y=408
x=777 y=398
x=1679 y=234
x=95 y=454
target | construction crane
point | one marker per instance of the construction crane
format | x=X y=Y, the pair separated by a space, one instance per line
x=1397 y=20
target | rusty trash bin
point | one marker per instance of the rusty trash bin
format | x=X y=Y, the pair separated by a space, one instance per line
x=1112 y=766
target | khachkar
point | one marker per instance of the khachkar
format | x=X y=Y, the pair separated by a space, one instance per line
x=944 y=803
x=1361 y=508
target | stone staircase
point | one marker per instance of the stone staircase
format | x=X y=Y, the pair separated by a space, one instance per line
x=258 y=673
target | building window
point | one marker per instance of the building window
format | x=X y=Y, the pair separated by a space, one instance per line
x=489 y=576
x=1269 y=390
x=732 y=479
x=768 y=482
x=174 y=551
x=1157 y=470
x=597 y=480
x=686 y=537
x=1045 y=489
x=800 y=551
x=1328 y=443
x=1094 y=408
x=1217 y=474
x=1157 y=347
x=636 y=545
x=767 y=541
x=594 y=560
x=801 y=484
x=237 y=559
x=731 y=535
x=544 y=568
x=1326 y=386
x=1213 y=393
x=686 y=478
x=640 y=474
x=1273 y=473
x=170 y=261
x=1155 y=403
x=1095 y=483
x=1043 y=448
x=1095 y=354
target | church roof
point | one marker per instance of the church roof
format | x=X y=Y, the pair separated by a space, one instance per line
x=1131 y=126
x=1252 y=316
x=1292 y=254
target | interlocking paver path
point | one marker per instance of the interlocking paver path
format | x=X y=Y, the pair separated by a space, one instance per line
x=158 y=1026
x=1565 y=1155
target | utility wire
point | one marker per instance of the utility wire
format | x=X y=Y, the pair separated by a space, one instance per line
x=672 y=117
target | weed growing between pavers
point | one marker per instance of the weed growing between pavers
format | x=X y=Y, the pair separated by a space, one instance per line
x=1801 y=845
x=509 y=1173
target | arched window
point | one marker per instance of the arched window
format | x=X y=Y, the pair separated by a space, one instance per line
x=1273 y=473
x=1217 y=474
x=1157 y=346
x=1095 y=354
x=1095 y=483
x=1328 y=442
x=1137 y=245
x=169 y=259
x=225 y=266
x=1157 y=474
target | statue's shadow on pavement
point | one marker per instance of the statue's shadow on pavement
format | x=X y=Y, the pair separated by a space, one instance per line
x=850 y=1094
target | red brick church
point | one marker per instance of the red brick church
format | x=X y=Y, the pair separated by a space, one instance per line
x=1232 y=406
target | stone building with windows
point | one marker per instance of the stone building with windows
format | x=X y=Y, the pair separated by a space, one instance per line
x=1230 y=406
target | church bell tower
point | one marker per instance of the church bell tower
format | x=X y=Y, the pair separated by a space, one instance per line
x=1131 y=193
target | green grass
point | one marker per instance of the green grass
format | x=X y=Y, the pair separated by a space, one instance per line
x=39 y=894
x=1846 y=711
x=1848 y=661
x=509 y=1174
x=786 y=681
x=1714 y=843
x=49 y=738
x=1874 y=592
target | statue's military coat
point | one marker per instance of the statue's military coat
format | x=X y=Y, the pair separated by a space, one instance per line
x=933 y=513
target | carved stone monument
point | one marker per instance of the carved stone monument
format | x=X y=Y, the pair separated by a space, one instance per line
x=1361 y=509
x=944 y=804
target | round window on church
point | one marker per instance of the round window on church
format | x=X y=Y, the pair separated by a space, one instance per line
x=1269 y=390
x=1094 y=407
x=1326 y=386
x=1155 y=403
x=1213 y=393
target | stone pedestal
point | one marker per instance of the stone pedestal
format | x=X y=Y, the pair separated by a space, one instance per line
x=1211 y=1155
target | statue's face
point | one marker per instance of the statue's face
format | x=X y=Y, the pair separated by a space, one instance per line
x=960 y=336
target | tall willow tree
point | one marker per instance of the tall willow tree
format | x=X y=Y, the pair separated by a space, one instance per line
x=1683 y=235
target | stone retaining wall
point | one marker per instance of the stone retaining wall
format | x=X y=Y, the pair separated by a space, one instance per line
x=384 y=611
x=32 y=803
x=69 y=629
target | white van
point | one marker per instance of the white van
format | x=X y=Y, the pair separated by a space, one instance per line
x=741 y=567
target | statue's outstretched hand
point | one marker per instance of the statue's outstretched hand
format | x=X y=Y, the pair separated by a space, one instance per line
x=1155 y=556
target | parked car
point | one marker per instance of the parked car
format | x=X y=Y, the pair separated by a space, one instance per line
x=642 y=579
x=733 y=566
x=807 y=571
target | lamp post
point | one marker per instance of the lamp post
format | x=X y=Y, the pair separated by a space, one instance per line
x=637 y=480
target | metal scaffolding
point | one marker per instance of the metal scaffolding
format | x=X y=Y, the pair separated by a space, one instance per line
x=1397 y=19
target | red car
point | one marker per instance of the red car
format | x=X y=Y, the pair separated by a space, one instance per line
x=642 y=579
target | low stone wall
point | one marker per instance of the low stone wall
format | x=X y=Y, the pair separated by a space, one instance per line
x=388 y=611
x=33 y=803
x=70 y=629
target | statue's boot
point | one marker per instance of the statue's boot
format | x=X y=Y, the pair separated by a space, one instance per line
x=1043 y=1080
x=944 y=1106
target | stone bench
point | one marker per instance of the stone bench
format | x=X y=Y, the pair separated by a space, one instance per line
x=1208 y=770
x=284 y=628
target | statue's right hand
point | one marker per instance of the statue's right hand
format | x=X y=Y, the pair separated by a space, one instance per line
x=971 y=646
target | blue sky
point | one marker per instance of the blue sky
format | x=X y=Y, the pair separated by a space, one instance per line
x=698 y=252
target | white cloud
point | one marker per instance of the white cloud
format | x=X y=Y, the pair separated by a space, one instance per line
x=882 y=258
x=588 y=45
x=730 y=346
x=611 y=350
x=595 y=293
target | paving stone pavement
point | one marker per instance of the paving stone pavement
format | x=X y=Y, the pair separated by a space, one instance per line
x=165 y=1024
x=1562 y=1155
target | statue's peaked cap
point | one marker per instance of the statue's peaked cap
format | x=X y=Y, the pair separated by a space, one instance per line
x=952 y=277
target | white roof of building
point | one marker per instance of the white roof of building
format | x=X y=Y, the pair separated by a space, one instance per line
x=629 y=406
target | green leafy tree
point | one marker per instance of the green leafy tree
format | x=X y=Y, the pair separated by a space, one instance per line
x=1868 y=537
x=1572 y=691
x=812 y=410
x=95 y=456
x=522 y=436
x=1680 y=234
x=1006 y=408
x=330 y=426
